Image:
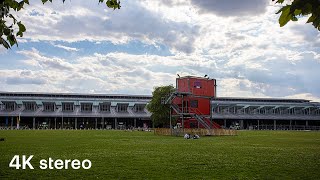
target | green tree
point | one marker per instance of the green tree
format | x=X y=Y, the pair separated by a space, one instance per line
x=9 y=23
x=160 y=112
x=299 y=8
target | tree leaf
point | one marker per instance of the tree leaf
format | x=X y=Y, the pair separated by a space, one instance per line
x=6 y=31
x=12 y=17
x=44 y=1
x=293 y=18
x=115 y=4
x=22 y=28
x=284 y=17
x=4 y=43
x=306 y=9
x=283 y=9
x=11 y=39
x=316 y=22
x=297 y=12
x=20 y=5
x=26 y=1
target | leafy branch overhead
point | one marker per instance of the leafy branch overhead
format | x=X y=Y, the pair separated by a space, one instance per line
x=11 y=27
x=299 y=8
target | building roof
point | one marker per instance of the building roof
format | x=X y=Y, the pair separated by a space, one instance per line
x=73 y=95
x=276 y=100
x=195 y=77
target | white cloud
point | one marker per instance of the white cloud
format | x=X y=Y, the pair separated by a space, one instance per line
x=78 y=21
x=249 y=54
x=65 y=47
x=307 y=96
x=231 y=7
x=138 y=74
x=35 y=58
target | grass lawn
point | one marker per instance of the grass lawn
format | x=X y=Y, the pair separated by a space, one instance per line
x=142 y=155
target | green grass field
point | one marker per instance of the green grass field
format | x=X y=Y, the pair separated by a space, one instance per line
x=142 y=155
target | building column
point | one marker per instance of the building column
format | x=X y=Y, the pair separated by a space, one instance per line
x=55 y=123
x=307 y=123
x=225 y=123
x=258 y=124
x=102 y=120
x=135 y=123
x=49 y=127
x=11 y=122
x=115 y=123
x=62 y=123
x=34 y=123
x=7 y=123
x=274 y=125
x=75 y=123
x=241 y=124
x=290 y=126
x=96 y=125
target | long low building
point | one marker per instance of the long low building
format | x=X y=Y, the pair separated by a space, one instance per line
x=266 y=113
x=106 y=111
x=73 y=111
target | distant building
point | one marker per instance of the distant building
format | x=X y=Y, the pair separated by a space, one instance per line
x=72 y=111
x=194 y=103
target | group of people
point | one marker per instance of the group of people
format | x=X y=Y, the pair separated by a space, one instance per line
x=189 y=136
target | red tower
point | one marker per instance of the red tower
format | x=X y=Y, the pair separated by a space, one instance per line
x=191 y=102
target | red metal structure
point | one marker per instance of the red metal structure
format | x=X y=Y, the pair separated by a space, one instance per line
x=191 y=102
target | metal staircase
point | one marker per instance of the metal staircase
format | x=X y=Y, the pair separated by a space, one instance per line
x=176 y=108
x=202 y=121
x=205 y=122
x=192 y=112
x=169 y=99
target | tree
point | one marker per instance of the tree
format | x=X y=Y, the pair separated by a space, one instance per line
x=8 y=23
x=299 y=8
x=160 y=112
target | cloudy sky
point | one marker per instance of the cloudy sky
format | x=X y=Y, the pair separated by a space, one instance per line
x=84 y=47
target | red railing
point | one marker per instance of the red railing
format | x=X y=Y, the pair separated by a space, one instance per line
x=206 y=120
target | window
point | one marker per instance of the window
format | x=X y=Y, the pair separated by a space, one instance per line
x=29 y=106
x=194 y=103
x=291 y=111
x=9 y=106
x=67 y=107
x=197 y=84
x=105 y=107
x=48 y=107
x=139 y=107
x=122 y=107
x=87 y=107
